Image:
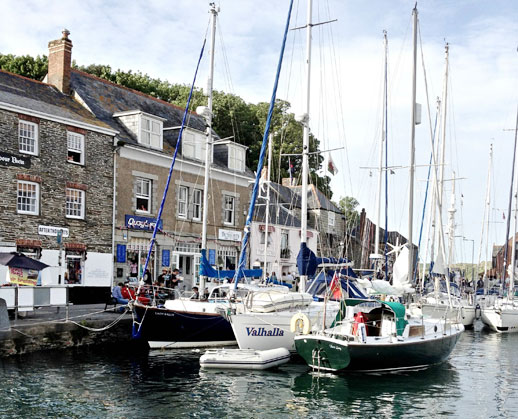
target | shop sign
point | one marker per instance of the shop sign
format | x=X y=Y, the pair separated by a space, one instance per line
x=52 y=231
x=121 y=253
x=141 y=223
x=21 y=276
x=166 y=257
x=229 y=235
x=7 y=159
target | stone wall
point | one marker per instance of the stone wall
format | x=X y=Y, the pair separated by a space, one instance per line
x=52 y=171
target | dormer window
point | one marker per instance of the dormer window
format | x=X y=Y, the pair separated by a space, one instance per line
x=145 y=127
x=236 y=158
x=193 y=145
x=150 y=132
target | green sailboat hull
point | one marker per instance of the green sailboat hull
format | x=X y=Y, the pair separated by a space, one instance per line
x=331 y=354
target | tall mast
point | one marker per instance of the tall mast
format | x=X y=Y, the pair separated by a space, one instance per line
x=208 y=150
x=451 y=224
x=382 y=143
x=267 y=212
x=506 y=256
x=412 y=155
x=487 y=209
x=305 y=144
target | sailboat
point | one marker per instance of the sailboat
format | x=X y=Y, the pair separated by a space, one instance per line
x=184 y=322
x=269 y=318
x=502 y=315
x=445 y=299
x=376 y=335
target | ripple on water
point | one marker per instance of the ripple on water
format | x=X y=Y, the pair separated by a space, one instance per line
x=479 y=380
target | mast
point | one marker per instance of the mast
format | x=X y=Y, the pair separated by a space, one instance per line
x=430 y=235
x=451 y=225
x=506 y=256
x=487 y=209
x=267 y=213
x=412 y=154
x=305 y=144
x=376 y=255
x=208 y=150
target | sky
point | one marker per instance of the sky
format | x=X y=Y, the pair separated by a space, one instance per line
x=163 y=39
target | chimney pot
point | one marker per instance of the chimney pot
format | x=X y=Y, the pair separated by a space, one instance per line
x=65 y=33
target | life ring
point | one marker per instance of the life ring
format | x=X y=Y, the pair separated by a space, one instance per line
x=300 y=324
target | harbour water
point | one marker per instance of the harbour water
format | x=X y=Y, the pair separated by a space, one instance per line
x=479 y=381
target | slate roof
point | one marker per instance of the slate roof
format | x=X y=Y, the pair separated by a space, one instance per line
x=42 y=97
x=105 y=98
x=281 y=217
x=317 y=200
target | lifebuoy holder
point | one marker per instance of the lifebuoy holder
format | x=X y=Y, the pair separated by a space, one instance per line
x=300 y=324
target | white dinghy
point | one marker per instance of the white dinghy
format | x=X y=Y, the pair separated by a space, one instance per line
x=244 y=358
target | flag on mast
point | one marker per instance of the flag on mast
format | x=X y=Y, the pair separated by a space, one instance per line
x=331 y=168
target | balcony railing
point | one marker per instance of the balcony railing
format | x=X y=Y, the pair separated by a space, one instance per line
x=285 y=253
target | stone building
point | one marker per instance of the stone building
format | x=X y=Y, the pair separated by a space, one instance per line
x=147 y=135
x=56 y=178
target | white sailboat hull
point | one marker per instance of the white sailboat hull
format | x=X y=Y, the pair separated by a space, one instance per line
x=501 y=319
x=263 y=331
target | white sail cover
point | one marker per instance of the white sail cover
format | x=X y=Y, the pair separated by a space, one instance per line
x=400 y=269
x=438 y=267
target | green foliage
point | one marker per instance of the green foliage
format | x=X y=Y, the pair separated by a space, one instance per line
x=348 y=205
x=25 y=65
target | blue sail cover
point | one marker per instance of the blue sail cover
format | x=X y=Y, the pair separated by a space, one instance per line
x=207 y=270
x=318 y=286
x=307 y=262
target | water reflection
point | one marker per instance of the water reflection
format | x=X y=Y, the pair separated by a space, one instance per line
x=381 y=394
x=480 y=380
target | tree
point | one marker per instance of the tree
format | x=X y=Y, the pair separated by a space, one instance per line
x=348 y=205
x=25 y=65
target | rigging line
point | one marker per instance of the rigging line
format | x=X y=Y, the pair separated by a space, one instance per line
x=242 y=258
x=178 y=144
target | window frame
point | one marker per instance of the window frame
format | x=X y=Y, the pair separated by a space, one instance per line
x=227 y=210
x=236 y=158
x=140 y=181
x=82 y=209
x=183 y=201
x=35 y=140
x=36 y=198
x=196 y=143
x=150 y=132
x=197 y=207
x=81 y=152
x=331 y=219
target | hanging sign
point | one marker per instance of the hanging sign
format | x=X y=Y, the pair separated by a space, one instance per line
x=121 y=253
x=166 y=257
x=141 y=223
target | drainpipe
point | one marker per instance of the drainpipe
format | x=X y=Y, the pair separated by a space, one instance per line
x=114 y=206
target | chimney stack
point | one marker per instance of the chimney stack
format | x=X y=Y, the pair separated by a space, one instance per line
x=60 y=61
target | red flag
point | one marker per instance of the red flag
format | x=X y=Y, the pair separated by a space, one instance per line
x=335 y=288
